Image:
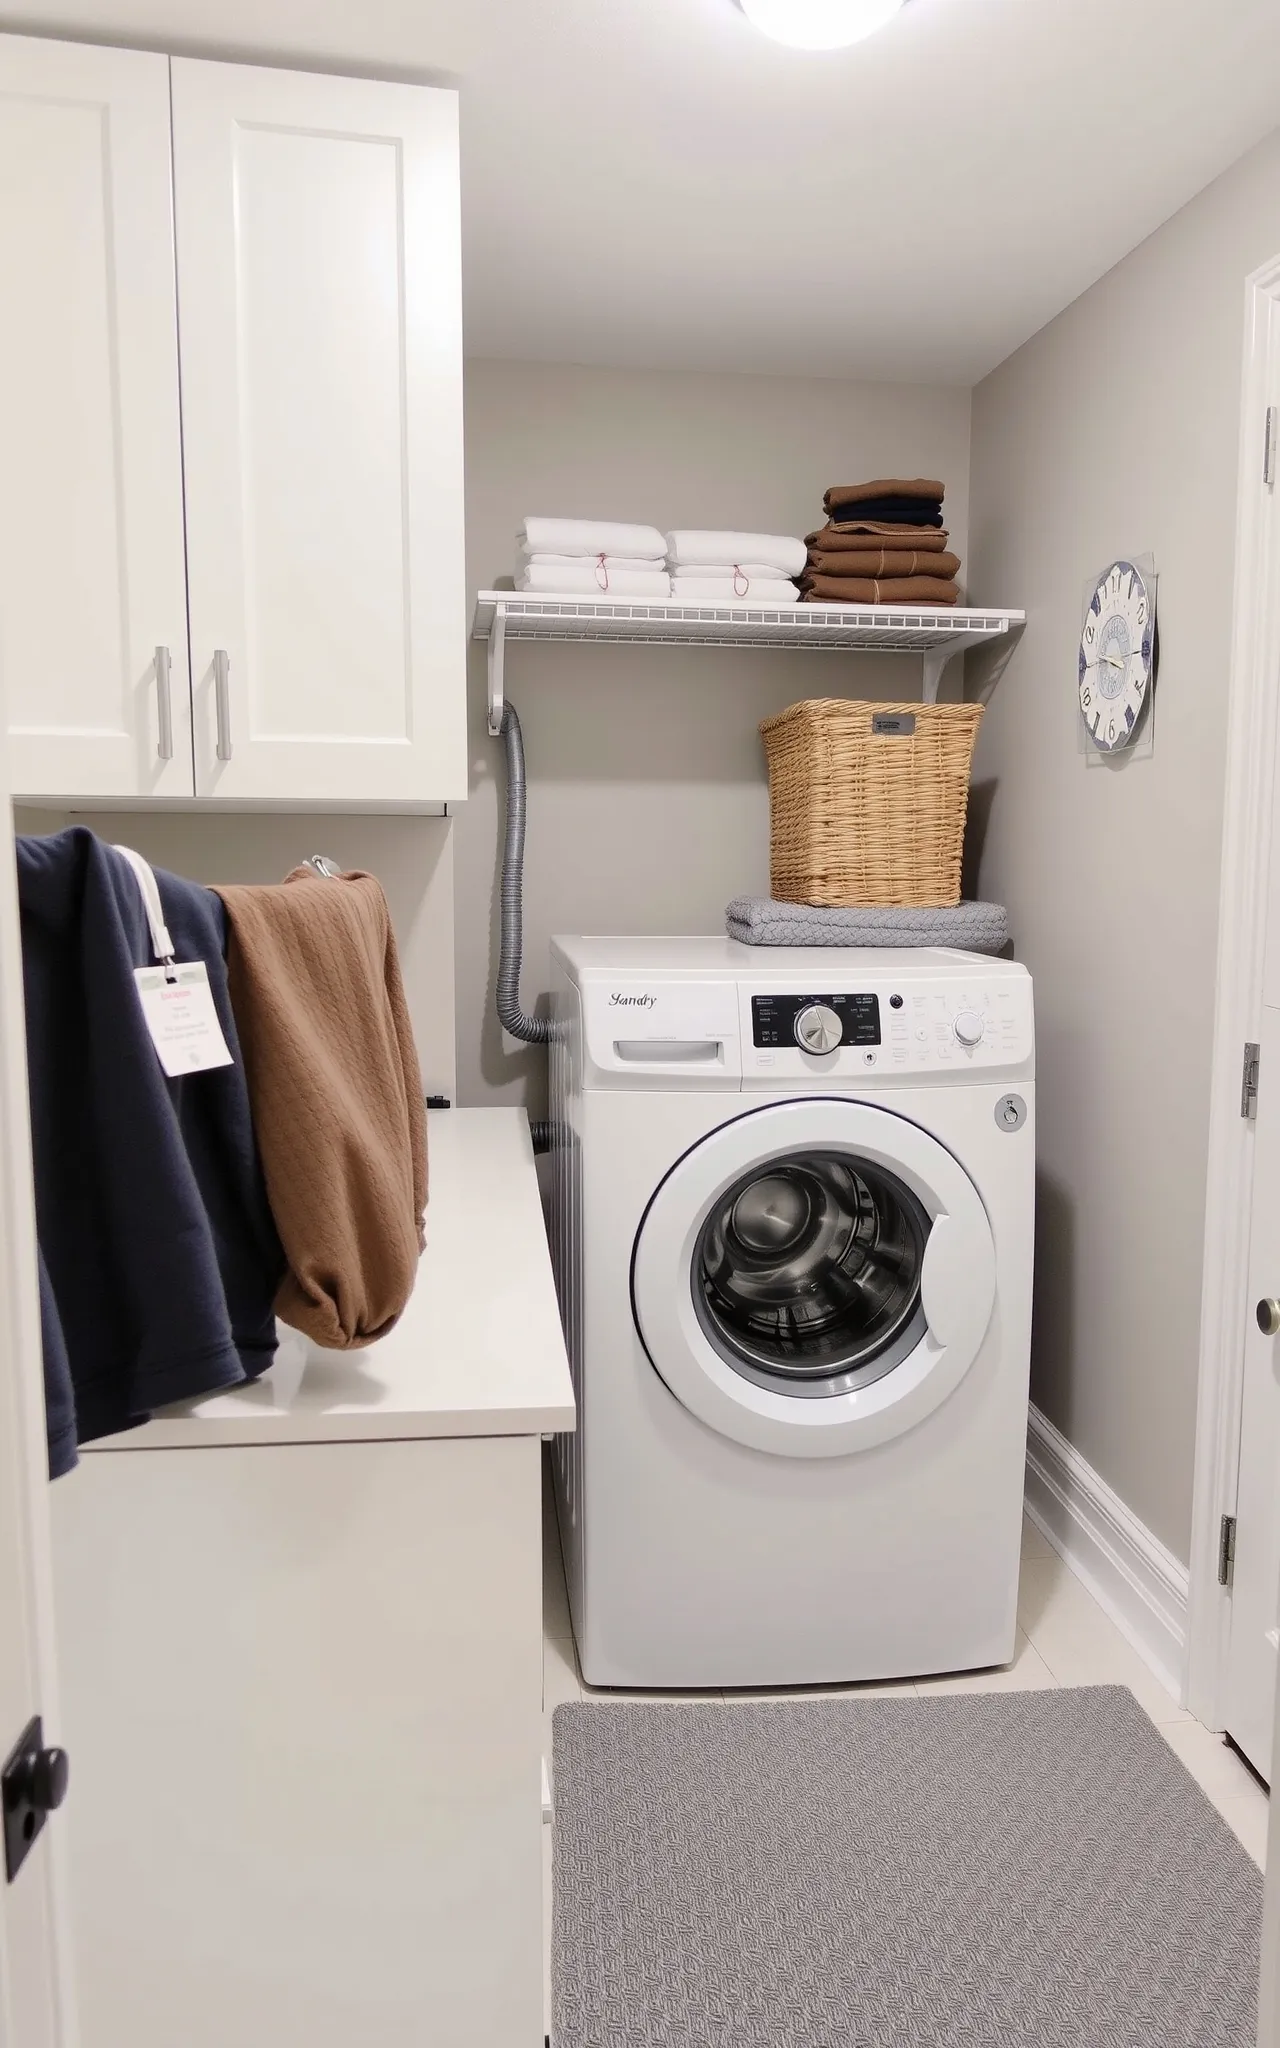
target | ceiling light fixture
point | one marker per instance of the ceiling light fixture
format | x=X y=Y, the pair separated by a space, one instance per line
x=819 y=24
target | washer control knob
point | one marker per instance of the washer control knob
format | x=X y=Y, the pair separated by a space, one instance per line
x=969 y=1027
x=818 y=1029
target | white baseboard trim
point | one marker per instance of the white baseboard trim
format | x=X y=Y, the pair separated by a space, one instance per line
x=1139 y=1583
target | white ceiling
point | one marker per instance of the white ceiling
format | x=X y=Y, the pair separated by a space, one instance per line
x=651 y=182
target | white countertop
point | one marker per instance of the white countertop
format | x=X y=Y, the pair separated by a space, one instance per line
x=479 y=1350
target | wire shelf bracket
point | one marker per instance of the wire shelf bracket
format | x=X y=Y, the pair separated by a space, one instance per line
x=937 y=635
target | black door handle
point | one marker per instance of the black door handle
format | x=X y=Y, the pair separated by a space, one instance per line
x=33 y=1784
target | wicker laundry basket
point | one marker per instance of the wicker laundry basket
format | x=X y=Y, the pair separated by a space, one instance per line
x=867 y=802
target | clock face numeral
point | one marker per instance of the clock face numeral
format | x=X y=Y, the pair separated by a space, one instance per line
x=1116 y=655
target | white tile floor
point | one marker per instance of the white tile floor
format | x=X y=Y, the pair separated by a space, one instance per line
x=1064 y=1638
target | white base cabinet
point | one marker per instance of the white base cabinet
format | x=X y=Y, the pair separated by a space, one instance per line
x=303 y=1706
x=255 y=593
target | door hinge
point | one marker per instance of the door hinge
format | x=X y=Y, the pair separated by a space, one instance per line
x=1249 y=1080
x=1269 y=445
x=1227 y=1551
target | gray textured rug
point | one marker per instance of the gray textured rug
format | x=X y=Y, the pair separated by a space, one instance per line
x=1032 y=1869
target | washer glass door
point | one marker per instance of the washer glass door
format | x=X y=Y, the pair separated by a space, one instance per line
x=814 y=1276
x=806 y=1274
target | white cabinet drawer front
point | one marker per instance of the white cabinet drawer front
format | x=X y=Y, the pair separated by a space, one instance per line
x=91 y=542
x=317 y=226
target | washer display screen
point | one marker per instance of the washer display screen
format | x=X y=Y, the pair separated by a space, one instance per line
x=806 y=1272
x=773 y=1018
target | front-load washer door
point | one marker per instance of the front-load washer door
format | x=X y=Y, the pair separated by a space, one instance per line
x=815 y=1277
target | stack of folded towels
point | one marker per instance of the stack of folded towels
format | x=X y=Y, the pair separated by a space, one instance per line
x=883 y=543
x=597 y=557
x=719 y=568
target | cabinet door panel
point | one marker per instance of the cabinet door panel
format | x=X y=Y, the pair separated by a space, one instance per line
x=318 y=277
x=92 y=576
x=324 y=1662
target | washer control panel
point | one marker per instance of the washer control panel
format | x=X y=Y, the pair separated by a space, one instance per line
x=912 y=1025
x=816 y=1023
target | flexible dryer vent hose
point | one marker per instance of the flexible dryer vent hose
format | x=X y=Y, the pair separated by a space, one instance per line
x=533 y=1030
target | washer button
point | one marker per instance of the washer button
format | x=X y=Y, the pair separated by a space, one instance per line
x=1011 y=1112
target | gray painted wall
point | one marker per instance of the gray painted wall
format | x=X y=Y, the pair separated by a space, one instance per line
x=1114 y=432
x=648 y=807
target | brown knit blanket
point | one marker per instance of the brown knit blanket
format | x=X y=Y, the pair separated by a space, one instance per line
x=866 y=533
x=882 y=487
x=336 y=1097
x=881 y=562
x=871 y=590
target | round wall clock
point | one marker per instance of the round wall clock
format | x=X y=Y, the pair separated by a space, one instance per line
x=1117 y=649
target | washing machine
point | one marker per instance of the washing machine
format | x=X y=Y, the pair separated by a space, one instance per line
x=793 y=1228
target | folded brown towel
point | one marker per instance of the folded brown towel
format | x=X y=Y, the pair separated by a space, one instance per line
x=881 y=562
x=867 y=533
x=336 y=1097
x=871 y=590
x=882 y=487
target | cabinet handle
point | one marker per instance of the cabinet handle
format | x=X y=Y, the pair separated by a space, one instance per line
x=164 y=706
x=222 y=700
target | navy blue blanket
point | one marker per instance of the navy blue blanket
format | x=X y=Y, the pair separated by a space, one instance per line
x=159 y=1258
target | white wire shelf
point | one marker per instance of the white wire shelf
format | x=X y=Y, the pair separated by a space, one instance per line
x=938 y=634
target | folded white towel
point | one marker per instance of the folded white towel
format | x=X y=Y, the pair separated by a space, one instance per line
x=688 y=547
x=757 y=590
x=571 y=582
x=609 y=562
x=754 y=571
x=589 y=537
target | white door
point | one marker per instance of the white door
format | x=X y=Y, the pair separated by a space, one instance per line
x=35 y=1964
x=814 y=1277
x=1255 y=1601
x=318 y=280
x=92 y=578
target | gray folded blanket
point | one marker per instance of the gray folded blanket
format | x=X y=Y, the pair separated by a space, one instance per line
x=760 y=921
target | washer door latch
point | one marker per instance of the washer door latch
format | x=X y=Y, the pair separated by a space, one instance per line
x=1011 y=1113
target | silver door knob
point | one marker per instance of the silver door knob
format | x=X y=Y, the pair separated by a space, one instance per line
x=818 y=1029
x=1268 y=1314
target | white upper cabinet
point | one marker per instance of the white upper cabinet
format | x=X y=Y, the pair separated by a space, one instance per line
x=92 y=581
x=294 y=535
x=319 y=298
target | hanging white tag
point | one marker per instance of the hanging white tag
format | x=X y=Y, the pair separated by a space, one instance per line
x=177 y=1004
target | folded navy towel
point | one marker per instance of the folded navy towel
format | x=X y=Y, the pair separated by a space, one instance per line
x=901 y=511
x=972 y=927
